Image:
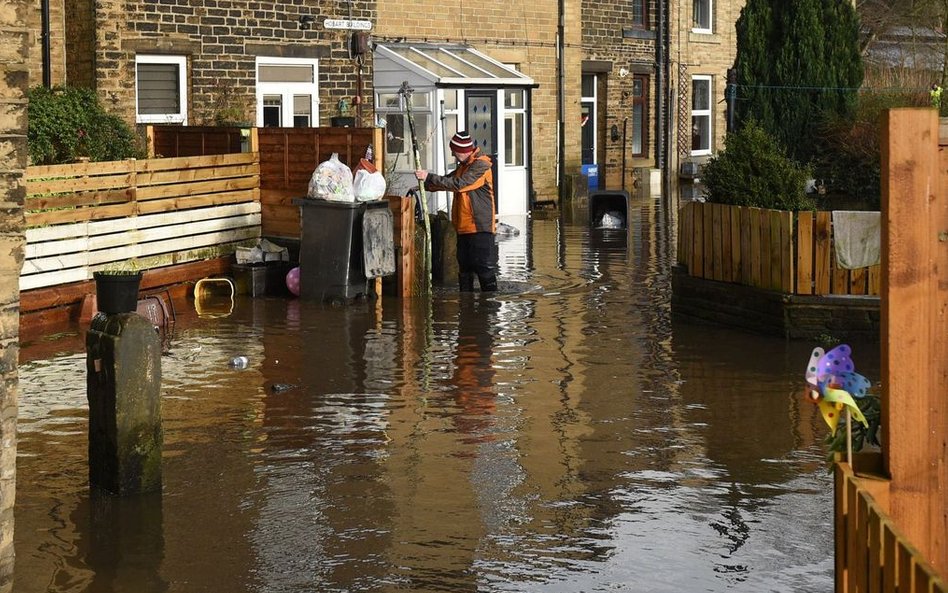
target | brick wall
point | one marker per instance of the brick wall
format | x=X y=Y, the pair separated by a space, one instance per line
x=522 y=32
x=222 y=39
x=610 y=39
x=15 y=64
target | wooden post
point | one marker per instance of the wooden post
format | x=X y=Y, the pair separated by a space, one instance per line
x=914 y=305
x=254 y=140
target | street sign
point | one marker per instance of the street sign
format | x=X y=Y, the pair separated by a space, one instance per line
x=347 y=24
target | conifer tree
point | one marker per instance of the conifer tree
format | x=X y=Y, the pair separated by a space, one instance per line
x=797 y=62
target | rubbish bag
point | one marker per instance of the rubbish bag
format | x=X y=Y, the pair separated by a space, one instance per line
x=612 y=220
x=332 y=180
x=368 y=186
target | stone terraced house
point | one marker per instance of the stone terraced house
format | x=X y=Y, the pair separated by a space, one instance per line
x=550 y=87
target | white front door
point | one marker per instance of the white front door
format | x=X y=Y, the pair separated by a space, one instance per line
x=514 y=138
x=287 y=92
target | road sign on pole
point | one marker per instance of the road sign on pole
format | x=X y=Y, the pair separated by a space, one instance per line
x=347 y=24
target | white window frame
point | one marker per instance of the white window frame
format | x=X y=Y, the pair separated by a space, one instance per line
x=705 y=113
x=594 y=115
x=458 y=114
x=521 y=132
x=427 y=153
x=165 y=118
x=709 y=10
x=288 y=89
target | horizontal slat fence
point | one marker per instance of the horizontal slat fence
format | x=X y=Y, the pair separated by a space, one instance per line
x=874 y=556
x=288 y=157
x=770 y=249
x=82 y=217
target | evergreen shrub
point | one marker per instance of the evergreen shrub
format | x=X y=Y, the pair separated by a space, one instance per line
x=753 y=170
x=68 y=123
x=850 y=157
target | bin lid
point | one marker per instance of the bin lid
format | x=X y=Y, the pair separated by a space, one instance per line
x=378 y=242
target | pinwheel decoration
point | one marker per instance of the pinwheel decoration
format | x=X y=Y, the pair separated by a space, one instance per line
x=833 y=383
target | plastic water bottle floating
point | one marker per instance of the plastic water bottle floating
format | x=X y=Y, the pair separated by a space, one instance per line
x=239 y=362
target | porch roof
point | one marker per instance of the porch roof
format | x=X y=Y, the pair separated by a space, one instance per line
x=446 y=65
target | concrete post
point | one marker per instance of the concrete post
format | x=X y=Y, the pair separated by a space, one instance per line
x=123 y=385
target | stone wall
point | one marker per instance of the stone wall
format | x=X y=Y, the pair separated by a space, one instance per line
x=610 y=43
x=222 y=39
x=522 y=32
x=775 y=313
x=14 y=81
x=57 y=43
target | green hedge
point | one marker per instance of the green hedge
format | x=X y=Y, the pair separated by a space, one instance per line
x=67 y=123
x=753 y=170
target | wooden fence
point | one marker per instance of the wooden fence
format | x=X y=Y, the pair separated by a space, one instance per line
x=177 y=141
x=874 y=555
x=82 y=217
x=770 y=249
x=288 y=157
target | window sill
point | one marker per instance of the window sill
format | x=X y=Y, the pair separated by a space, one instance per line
x=637 y=34
x=175 y=120
x=697 y=36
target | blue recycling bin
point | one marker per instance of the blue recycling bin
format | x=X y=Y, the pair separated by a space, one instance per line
x=591 y=173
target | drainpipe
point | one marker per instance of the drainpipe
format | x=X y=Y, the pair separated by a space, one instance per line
x=561 y=98
x=532 y=194
x=47 y=60
x=660 y=63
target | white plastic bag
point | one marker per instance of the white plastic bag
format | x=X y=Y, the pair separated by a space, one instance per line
x=332 y=180
x=612 y=220
x=368 y=186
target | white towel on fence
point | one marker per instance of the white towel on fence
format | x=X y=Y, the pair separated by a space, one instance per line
x=856 y=236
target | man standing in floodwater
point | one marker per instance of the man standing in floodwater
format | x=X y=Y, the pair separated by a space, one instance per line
x=472 y=212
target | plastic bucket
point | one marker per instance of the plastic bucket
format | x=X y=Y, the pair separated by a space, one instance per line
x=117 y=293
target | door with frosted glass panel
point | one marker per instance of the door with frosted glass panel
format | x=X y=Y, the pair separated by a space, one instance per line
x=481 y=108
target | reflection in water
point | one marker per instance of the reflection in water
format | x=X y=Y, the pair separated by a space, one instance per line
x=572 y=437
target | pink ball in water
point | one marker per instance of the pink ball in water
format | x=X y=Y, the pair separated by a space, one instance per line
x=293 y=280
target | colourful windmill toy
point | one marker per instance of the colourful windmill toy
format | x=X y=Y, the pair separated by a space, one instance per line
x=833 y=383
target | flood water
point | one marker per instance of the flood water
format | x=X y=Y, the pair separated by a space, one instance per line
x=565 y=436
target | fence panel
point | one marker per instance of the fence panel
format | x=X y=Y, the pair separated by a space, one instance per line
x=288 y=157
x=872 y=555
x=771 y=249
x=178 y=141
x=174 y=211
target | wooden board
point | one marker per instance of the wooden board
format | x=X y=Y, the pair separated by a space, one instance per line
x=755 y=246
x=822 y=254
x=735 y=246
x=914 y=334
x=804 y=280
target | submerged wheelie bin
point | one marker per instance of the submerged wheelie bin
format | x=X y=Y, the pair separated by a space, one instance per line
x=342 y=246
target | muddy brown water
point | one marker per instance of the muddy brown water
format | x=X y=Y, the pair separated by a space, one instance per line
x=566 y=435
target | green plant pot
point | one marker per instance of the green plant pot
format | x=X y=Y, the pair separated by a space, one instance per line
x=117 y=293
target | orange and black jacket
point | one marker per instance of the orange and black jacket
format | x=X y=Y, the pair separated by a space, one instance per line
x=473 y=208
